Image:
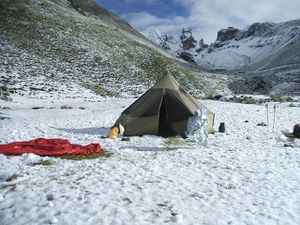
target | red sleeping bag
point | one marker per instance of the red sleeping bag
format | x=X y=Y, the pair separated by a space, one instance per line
x=48 y=147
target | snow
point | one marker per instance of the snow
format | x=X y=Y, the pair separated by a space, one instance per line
x=244 y=176
x=226 y=59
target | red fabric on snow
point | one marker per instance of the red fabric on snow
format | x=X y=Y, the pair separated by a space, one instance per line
x=48 y=147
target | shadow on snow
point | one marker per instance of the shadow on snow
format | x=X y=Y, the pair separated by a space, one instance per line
x=154 y=149
x=89 y=130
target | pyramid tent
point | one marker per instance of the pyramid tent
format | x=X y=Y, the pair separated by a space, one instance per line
x=163 y=110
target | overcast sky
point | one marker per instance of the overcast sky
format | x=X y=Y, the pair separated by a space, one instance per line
x=205 y=17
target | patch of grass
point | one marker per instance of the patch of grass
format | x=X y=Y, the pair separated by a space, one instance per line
x=91 y=7
x=243 y=100
x=46 y=162
x=104 y=154
x=162 y=205
x=66 y=107
x=174 y=141
x=11 y=178
x=156 y=66
x=98 y=89
x=290 y=136
x=279 y=98
x=4 y=118
x=11 y=187
x=251 y=100
x=173 y=214
x=5 y=93
x=210 y=84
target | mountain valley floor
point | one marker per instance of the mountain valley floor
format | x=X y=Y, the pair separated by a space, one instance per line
x=244 y=176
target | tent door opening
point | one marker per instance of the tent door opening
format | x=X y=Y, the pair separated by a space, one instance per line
x=165 y=129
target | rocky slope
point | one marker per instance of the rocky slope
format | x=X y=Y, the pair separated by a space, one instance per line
x=265 y=57
x=261 y=46
x=59 y=46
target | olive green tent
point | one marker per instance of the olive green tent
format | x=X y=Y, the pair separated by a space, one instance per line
x=163 y=110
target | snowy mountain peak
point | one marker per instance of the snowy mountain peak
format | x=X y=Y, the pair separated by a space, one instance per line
x=259 y=48
x=187 y=40
x=246 y=48
x=241 y=44
x=263 y=30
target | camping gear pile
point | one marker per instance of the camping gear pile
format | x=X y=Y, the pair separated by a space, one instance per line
x=197 y=127
x=293 y=139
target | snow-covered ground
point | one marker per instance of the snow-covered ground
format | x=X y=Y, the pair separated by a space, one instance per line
x=245 y=176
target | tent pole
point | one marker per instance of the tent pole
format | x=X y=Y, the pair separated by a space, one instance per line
x=267 y=108
x=274 y=118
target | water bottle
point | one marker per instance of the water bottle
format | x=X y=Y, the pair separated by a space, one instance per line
x=222 y=128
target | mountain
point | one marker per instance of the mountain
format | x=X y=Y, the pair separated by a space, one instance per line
x=184 y=46
x=243 y=49
x=70 y=46
x=265 y=58
x=261 y=46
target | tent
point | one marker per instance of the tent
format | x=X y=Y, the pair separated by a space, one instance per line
x=163 y=110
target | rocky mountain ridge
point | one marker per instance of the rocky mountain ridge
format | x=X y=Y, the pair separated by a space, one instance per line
x=267 y=51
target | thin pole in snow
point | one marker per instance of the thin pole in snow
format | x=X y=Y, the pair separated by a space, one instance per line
x=267 y=107
x=274 y=118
